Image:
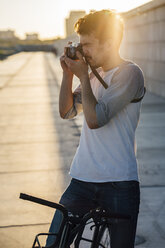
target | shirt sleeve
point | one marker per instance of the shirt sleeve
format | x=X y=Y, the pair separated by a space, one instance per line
x=127 y=85
x=77 y=104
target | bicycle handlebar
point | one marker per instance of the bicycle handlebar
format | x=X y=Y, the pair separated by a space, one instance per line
x=94 y=213
x=45 y=203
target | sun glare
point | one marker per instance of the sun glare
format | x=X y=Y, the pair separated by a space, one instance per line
x=50 y=20
x=118 y=5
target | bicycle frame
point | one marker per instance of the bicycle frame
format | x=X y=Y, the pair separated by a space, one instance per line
x=72 y=227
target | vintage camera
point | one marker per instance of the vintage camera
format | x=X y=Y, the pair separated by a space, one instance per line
x=71 y=50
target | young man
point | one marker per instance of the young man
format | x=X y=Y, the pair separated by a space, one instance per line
x=104 y=168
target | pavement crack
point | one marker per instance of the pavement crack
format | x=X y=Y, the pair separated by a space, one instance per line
x=152 y=186
x=23 y=225
x=159 y=229
x=17 y=72
x=29 y=171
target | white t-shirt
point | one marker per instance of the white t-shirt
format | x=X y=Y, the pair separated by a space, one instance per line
x=107 y=154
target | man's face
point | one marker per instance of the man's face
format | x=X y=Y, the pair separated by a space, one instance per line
x=93 y=50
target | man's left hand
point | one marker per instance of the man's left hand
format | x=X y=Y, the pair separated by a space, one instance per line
x=78 y=67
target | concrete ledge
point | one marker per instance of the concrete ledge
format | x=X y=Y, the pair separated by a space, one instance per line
x=144 y=42
x=153 y=5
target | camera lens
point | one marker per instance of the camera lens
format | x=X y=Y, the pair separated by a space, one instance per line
x=71 y=52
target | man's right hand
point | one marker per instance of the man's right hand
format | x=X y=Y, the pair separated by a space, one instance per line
x=64 y=66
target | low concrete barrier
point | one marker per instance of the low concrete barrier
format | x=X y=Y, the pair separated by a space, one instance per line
x=144 y=42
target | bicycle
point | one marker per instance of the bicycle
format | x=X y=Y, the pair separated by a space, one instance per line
x=72 y=227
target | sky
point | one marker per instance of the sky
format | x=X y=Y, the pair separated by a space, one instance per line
x=46 y=17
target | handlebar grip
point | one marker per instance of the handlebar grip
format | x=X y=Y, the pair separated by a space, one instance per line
x=45 y=203
x=25 y=196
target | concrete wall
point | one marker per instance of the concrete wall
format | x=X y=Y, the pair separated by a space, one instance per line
x=144 y=43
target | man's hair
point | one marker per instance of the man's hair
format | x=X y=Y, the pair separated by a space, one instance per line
x=103 y=24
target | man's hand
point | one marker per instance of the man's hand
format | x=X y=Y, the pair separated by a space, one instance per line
x=78 y=67
x=64 y=66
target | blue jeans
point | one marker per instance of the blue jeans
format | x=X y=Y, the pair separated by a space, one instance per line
x=120 y=197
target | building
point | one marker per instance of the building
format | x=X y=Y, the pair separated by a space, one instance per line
x=7 y=35
x=71 y=20
x=32 y=36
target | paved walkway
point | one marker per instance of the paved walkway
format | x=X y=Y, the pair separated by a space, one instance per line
x=36 y=149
